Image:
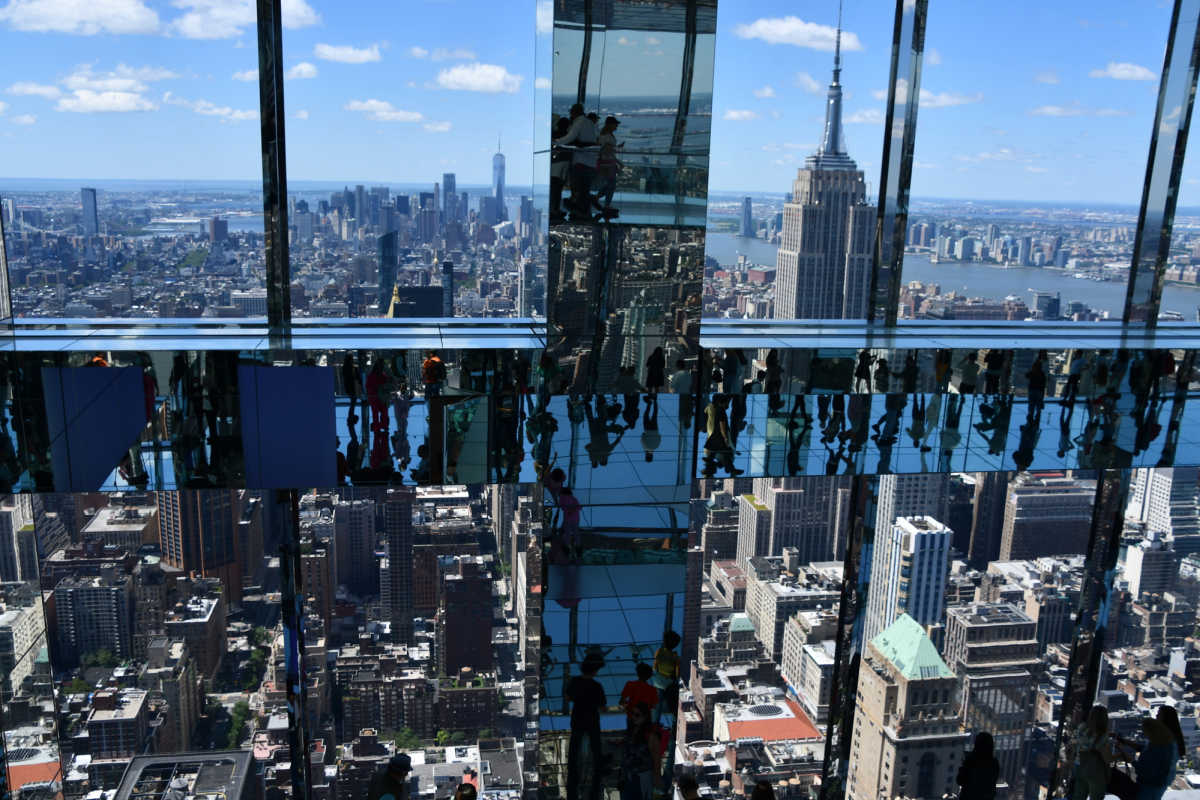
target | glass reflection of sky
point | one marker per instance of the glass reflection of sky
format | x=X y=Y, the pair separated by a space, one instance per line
x=622 y=610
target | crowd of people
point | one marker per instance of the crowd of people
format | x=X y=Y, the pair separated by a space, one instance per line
x=584 y=158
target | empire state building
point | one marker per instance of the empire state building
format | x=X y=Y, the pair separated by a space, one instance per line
x=824 y=260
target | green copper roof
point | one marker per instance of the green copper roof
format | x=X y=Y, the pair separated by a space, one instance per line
x=905 y=644
x=740 y=623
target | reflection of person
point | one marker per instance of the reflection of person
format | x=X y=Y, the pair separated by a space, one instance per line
x=681 y=384
x=391 y=783
x=639 y=691
x=980 y=770
x=582 y=135
x=666 y=674
x=433 y=373
x=572 y=510
x=1155 y=766
x=466 y=791
x=640 y=762
x=1093 y=757
x=656 y=370
x=378 y=385
x=763 y=791
x=587 y=701
x=560 y=170
x=607 y=163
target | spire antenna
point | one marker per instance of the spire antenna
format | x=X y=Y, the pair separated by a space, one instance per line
x=837 y=47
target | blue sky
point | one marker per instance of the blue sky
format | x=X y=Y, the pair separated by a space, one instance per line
x=1026 y=100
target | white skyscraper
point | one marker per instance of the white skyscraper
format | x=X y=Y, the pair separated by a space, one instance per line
x=1166 y=500
x=908 y=573
x=824 y=259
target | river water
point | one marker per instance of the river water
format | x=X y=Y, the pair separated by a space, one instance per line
x=978 y=280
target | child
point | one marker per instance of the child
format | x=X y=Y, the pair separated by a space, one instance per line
x=639 y=691
x=666 y=673
x=570 y=524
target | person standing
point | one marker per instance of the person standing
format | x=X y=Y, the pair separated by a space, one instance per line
x=392 y=782
x=640 y=759
x=587 y=700
x=656 y=371
x=582 y=135
x=980 y=770
x=639 y=691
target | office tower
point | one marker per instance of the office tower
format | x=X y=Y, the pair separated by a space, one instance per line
x=908 y=738
x=91 y=217
x=18 y=541
x=169 y=671
x=1046 y=515
x=959 y=497
x=389 y=261
x=913 y=495
x=218 y=230
x=200 y=620
x=449 y=198
x=1166 y=500
x=22 y=637
x=823 y=264
x=360 y=206
x=1024 y=247
x=908 y=573
x=150 y=592
x=464 y=617
x=398 y=534
x=464 y=205
x=994 y=651
x=987 y=520
x=747 y=228
x=197 y=532
x=118 y=724
x=1150 y=566
x=354 y=546
x=447 y=289
x=498 y=184
x=788 y=512
x=93 y=613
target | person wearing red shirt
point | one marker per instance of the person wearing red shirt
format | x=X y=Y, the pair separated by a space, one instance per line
x=639 y=691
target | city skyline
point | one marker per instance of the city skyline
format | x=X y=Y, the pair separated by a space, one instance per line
x=152 y=80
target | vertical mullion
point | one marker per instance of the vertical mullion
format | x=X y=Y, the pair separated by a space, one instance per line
x=292 y=609
x=275 y=219
x=1164 y=165
x=895 y=176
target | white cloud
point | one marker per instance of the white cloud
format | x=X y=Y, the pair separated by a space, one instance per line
x=347 y=54
x=739 y=115
x=418 y=52
x=625 y=41
x=3 y=106
x=119 y=90
x=1111 y=112
x=946 y=99
x=302 y=114
x=541 y=83
x=879 y=94
x=84 y=17
x=924 y=165
x=1056 y=111
x=653 y=40
x=808 y=83
x=246 y=75
x=24 y=119
x=456 y=54
x=1049 y=76
x=1124 y=71
x=225 y=19
x=210 y=109
x=764 y=92
x=34 y=89
x=866 y=116
x=489 y=78
x=795 y=31
x=437 y=127
x=545 y=16
x=1036 y=169
x=383 y=111
x=88 y=101
x=933 y=58
x=302 y=70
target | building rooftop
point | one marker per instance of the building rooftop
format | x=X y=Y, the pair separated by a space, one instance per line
x=220 y=773
x=905 y=644
x=771 y=720
x=989 y=613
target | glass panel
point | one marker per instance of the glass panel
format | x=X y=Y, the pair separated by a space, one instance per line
x=1033 y=213
x=420 y=209
x=796 y=161
x=139 y=187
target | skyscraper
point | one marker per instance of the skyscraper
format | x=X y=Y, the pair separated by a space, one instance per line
x=1046 y=515
x=824 y=259
x=987 y=522
x=197 y=532
x=993 y=649
x=398 y=590
x=91 y=219
x=1166 y=500
x=498 y=184
x=908 y=573
x=447 y=289
x=388 y=263
x=747 y=220
x=908 y=738
x=449 y=198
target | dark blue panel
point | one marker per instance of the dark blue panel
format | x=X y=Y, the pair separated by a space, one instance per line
x=288 y=426
x=93 y=415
